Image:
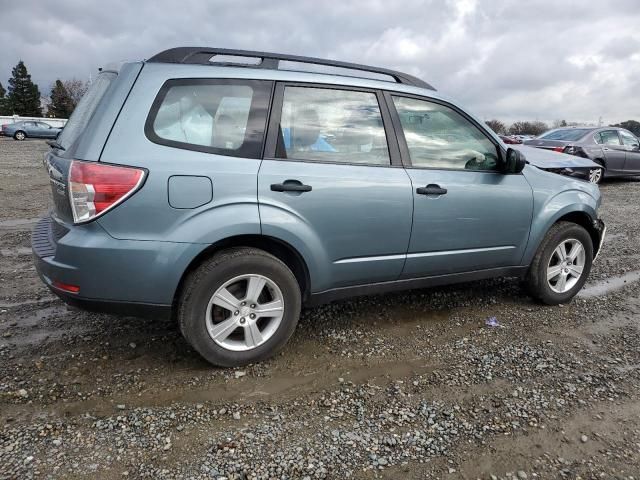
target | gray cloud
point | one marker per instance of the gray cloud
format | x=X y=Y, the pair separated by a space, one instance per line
x=501 y=58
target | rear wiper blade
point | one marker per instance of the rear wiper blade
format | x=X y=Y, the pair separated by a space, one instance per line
x=54 y=144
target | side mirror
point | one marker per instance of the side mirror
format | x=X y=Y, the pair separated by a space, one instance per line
x=514 y=162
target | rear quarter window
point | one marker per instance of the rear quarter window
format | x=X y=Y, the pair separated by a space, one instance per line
x=221 y=116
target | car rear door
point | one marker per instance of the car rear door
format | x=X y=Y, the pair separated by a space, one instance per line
x=632 y=153
x=613 y=150
x=467 y=215
x=332 y=185
x=31 y=128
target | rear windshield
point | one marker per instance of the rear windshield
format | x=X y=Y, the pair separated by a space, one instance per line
x=82 y=114
x=570 y=134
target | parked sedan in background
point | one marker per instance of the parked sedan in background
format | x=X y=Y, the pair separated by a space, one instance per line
x=509 y=139
x=560 y=163
x=615 y=150
x=24 y=129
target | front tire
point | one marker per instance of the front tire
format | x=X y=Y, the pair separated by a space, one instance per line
x=240 y=306
x=562 y=264
x=19 y=135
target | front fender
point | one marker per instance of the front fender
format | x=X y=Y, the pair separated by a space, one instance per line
x=554 y=208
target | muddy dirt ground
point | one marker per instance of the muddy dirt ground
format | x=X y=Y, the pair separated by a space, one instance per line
x=410 y=385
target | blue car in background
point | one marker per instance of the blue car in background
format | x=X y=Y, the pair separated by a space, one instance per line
x=33 y=129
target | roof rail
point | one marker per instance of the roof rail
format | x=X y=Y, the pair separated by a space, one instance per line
x=203 y=55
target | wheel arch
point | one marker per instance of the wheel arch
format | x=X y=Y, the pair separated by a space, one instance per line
x=589 y=224
x=276 y=247
x=574 y=206
x=602 y=161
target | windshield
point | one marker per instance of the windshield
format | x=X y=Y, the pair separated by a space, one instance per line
x=568 y=134
x=83 y=112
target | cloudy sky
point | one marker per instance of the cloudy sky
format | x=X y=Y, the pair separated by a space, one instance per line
x=508 y=59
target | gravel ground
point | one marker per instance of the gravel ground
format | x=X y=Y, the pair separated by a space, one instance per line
x=410 y=385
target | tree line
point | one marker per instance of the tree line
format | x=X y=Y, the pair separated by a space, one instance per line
x=538 y=128
x=23 y=98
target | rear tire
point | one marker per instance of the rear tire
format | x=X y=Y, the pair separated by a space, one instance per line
x=225 y=320
x=557 y=272
x=19 y=135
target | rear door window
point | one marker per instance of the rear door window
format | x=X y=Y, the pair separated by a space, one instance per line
x=608 y=137
x=332 y=125
x=222 y=116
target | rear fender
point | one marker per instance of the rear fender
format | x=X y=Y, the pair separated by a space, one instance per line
x=287 y=227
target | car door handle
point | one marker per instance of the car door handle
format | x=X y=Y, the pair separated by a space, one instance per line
x=290 y=187
x=431 y=189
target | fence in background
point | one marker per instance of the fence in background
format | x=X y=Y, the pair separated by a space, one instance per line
x=54 y=122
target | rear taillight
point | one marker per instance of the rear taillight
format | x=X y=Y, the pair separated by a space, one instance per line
x=95 y=188
x=558 y=149
x=577 y=151
x=66 y=287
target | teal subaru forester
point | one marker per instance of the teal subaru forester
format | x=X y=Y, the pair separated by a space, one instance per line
x=231 y=188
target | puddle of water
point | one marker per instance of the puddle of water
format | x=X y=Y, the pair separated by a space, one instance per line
x=18 y=222
x=28 y=302
x=32 y=331
x=34 y=318
x=15 y=252
x=609 y=285
x=611 y=236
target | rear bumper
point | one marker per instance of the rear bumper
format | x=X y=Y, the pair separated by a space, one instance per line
x=130 y=309
x=574 y=172
x=128 y=277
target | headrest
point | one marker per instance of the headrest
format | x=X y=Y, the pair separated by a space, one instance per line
x=305 y=129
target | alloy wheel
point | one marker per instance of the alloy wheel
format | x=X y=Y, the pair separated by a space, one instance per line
x=244 y=312
x=20 y=136
x=566 y=265
x=595 y=175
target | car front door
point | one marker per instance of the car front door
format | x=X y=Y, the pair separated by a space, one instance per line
x=45 y=130
x=613 y=150
x=632 y=154
x=333 y=186
x=467 y=215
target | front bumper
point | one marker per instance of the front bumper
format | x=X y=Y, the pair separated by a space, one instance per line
x=601 y=230
x=118 y=276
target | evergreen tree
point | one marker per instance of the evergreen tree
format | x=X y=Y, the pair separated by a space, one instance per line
x=4 y=102
x=24 y=96
x=61 y=105
x=632 y=125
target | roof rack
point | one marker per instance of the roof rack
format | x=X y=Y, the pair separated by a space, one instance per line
x=203 y=55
